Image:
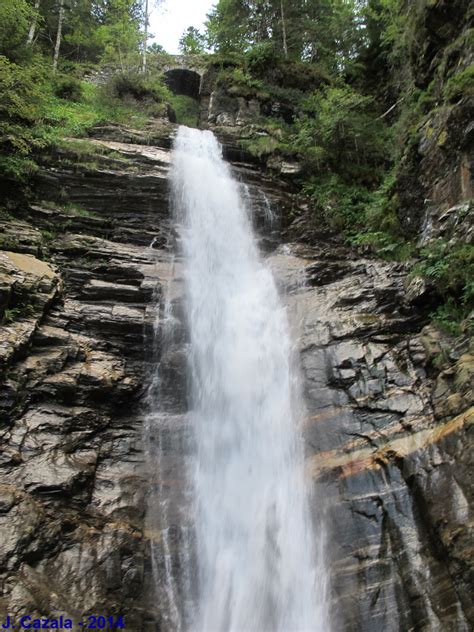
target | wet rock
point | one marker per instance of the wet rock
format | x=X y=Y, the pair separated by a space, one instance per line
x=381 y=436
x=386 y=424
x=27 y=287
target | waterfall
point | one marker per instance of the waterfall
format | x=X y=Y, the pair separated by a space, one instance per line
x=258 y=568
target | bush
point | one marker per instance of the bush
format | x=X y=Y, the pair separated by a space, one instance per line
x=299 y=75
x=260 y=146
x=261 y=59
x=15 y=19
x=21 y=102
x=450 y=267
x=68 y=88
x=238 y=81
x=138 y=88
x=340 y=205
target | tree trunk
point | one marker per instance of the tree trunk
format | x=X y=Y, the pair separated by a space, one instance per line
x=283 y=30
x=145 y=39
x=58 y=35
x=34 y=21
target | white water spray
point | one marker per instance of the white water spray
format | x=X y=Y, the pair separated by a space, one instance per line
x=255 y=546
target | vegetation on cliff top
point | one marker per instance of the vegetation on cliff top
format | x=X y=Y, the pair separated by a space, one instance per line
x=347 y=85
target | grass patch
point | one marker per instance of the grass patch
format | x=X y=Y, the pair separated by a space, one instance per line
x=63 y=117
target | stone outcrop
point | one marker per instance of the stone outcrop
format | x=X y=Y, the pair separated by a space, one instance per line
x=387 y=400
x=73 y=354
x=436 y=172
x=387 y=442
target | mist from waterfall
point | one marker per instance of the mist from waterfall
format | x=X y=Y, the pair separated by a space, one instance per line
x=258 y=562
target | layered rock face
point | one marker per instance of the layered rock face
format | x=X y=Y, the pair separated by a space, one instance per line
x=388 y=398
x=73 y=369
x=386 y=443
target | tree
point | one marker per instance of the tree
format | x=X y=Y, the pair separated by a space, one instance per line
x=325 y=31
x=15 y=18
x=120 y=31
x=34 y=21
x=227 y=26
x=145 y=37
x=192 y=42
x=283 y=29
x=58 y=35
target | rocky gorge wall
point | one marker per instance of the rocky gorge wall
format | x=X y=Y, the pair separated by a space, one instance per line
x=387 y=397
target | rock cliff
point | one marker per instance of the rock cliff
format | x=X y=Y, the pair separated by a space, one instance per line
x=387 y=397
x=386 y=432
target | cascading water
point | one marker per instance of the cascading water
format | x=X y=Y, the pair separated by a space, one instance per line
x=257 y=563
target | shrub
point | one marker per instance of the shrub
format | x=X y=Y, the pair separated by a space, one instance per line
x=139 y=88
x=260 y=146
x=238 y=81
x=261 y=59
x=68 y=88
x=450 y=268
x=340 y=205
x=21 y=101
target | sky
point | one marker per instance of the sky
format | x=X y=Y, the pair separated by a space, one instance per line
x=168 y=22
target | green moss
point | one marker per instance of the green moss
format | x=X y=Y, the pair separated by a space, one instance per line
x=442 y=138
x=459 y=85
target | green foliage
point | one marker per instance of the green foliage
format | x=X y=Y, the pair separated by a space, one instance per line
x=66 y=118
x=238 y=81
x=227 y=26
x=261 y=146
x=74 y=209
x=20 y=114
x=67 y=87
x=261 y=58
x=450 y=317
x=383 y=244
x=115 y=30
x=186 y=110
x=192 y=42
x=340 y=205
x=327 y=32
x=367 y=217
x=15 y=19
x=23 y=310
x=381 y=211
x=32 y=116
x=339 y=131
x=450 y=267
x=460 y=85
x=7 y=243
x=138 y=87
